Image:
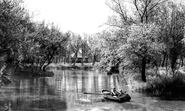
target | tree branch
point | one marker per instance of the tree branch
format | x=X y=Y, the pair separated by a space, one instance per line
x=119 y=11
x=135 y=4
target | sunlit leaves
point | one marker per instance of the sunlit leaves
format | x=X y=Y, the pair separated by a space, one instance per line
x=144 y=36
x=142 y=42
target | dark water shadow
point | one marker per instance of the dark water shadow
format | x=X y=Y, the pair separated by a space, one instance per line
x=34 y=94
x=21 y=104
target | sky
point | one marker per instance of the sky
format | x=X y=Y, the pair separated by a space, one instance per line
x=79 y=16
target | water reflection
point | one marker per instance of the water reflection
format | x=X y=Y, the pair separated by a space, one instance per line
x=75 y=83
x=65 y=92
x=31 y=95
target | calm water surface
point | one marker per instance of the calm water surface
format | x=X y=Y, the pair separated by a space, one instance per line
x=65 y=92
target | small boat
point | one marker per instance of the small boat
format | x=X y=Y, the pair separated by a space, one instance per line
x=122 y=98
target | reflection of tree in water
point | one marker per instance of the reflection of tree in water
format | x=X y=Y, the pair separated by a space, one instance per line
x=34 y=95
x=84 y=82
x=64 y=90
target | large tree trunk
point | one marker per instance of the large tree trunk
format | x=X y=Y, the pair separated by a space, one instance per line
x=143 y=75
x=49 y=59
x=49 y=62
x=41 y=64
x=94 y=59
x=173 y=59
x=9 y=56
x=182 y=61
x=164 y=59
x=45 y=66
x=75 y=58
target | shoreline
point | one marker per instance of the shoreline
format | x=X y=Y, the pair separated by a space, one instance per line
x=78 y=66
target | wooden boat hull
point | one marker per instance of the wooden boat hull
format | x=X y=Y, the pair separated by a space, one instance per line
x=122 y=98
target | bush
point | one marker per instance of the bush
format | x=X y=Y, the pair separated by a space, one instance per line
x=167 y=86
x=109 y=64
x=161 y=85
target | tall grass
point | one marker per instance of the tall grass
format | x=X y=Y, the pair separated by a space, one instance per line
x=166 y=86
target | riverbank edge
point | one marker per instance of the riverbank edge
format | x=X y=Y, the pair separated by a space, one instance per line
x=78 y=66
x=27 y=71
x=34 y=73
x=136 y=85
x=15 y=70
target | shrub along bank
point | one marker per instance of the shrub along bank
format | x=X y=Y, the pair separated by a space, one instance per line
x=166 y=86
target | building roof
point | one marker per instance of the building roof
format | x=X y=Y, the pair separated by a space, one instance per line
x=79 y=55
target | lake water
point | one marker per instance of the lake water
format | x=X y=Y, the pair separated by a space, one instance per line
x=65 y=92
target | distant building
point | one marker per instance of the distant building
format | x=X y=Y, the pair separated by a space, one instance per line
x=79 y=58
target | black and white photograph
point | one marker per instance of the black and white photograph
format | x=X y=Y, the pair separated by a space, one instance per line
x=92 y=55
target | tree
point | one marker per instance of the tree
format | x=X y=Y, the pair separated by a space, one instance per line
x=49 y=40
x=95 y=45
x=146 y=9
x=85 y=48
x=141 y=12
x=143 y=45
x=13 y=24
x=75 y=45
x=172 y=34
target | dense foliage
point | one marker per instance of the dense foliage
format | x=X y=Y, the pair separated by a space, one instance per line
x=148 y=35
x=24 y=42
x=142 y=35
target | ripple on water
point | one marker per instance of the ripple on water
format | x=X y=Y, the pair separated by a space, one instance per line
x=65 y=92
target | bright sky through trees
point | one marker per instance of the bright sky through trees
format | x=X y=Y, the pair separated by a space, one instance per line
x=79 y=16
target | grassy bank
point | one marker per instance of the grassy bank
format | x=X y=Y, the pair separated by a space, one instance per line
x=167 y=87
x=162 y=85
